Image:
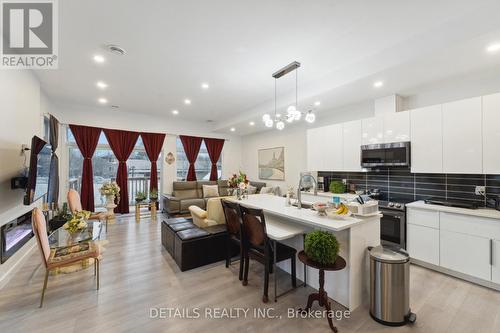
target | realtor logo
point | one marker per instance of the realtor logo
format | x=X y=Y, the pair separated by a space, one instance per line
x=29 y=34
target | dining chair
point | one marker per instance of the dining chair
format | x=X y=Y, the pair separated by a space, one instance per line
x=233 y=223
x=257 y=245
x=61 y=257
x=75 y=205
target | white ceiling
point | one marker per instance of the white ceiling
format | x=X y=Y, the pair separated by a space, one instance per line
x=235 y=46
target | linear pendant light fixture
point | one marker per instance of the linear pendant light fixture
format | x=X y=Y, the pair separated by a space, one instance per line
x=292 y=113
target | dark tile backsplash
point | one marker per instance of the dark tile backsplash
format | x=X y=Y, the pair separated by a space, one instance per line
x=402 y=184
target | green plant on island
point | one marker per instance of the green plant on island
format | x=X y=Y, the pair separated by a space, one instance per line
x=322 y=247
x=337 y=187
x=140 y=196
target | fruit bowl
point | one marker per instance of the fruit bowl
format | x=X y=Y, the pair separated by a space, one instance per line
x=320 y=207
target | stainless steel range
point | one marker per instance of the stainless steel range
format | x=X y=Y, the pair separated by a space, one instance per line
x=393 y=222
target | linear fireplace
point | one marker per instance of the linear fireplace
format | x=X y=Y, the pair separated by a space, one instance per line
x=14 y=235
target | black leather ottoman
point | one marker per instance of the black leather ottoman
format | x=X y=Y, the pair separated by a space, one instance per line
x=199 y=247
x=168 y=231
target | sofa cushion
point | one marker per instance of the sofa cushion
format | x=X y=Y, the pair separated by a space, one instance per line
x=185 y=203
x=192 y=233
x=216 y=229
x=182 y=226
x=177 y=220
x=251 y=189
x=210 y=191
x=259 y=185
x=267 y=190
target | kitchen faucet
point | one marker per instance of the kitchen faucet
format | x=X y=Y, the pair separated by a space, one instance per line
x=299 y=197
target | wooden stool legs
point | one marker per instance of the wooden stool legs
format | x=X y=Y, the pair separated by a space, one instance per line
x=322 y=297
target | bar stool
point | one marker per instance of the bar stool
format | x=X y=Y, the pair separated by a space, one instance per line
x=321 y=296
x=233 y=223
x=257 y=245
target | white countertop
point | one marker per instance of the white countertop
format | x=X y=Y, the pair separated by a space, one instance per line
x=275 y=205
x=480 y=212
x=329 y=195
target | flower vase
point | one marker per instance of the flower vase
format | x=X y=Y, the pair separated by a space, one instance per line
x=110 y=199
x=238 y=193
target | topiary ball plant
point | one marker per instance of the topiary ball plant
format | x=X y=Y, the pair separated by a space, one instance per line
x=322 y=247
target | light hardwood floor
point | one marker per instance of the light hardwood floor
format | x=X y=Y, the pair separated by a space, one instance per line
x=137 y=274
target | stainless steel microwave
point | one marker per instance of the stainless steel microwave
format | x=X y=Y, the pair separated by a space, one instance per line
x=395 y=154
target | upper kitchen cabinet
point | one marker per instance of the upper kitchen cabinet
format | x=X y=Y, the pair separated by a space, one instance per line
x=315 y=149
x=351 y=132
x=333 y=157
x=491 y=134
x=372 y=130
x=427 y=140
x=396 y=127
x=462 y=136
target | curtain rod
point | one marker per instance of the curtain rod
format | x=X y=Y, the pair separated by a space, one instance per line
x=60 y=123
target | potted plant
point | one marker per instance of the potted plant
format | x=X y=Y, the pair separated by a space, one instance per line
x=110 y=190
x=77 y=222
x=239 y=183
x=337 y=187
x=322 y=247
x=140 y=197
x=153 y=195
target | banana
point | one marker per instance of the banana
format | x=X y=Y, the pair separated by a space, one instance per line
x=342 y=210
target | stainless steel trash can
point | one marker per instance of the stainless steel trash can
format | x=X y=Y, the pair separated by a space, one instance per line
x=390 y=286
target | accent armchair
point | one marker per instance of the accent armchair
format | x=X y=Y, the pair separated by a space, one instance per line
x=212 y=216
x=52 y=258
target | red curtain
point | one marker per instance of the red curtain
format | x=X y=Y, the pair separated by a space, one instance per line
x=191 y=146
x=122 y=143
x=153 y=143
x=214 y=148
x=86 y=139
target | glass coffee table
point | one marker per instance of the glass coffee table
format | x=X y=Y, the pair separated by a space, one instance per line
x=62 y=238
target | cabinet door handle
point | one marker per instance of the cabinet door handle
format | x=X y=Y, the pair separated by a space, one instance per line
x=491 y=252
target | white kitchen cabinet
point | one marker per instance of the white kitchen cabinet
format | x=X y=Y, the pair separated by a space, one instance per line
x=495 y=261
x=316 y=149
x=465 y=253
x=333 y=139
x=372 y=130
x=462 y=136
x=423 y=243
x=427 y=140
x=396 y=127
x=351 y=142
x=491 y=134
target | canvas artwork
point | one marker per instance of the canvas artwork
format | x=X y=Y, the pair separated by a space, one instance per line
x=272 y=163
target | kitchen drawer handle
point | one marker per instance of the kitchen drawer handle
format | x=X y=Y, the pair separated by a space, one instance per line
x=491 y=252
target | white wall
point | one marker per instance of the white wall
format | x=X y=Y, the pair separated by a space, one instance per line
x=20 y=102
x=293 y=138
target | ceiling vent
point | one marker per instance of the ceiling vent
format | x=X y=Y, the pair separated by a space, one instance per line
x=115 y=49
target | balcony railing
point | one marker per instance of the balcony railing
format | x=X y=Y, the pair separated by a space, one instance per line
x=135 y=184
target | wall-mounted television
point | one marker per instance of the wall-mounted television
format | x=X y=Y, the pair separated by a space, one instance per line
x=39 y=171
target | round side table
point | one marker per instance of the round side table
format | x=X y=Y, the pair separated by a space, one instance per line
x=321 y=296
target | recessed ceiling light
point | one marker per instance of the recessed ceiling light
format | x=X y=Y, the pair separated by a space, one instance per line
x=175 y=112
x=187 y=101
x=99 y=59
x=205 y=85
x=101 y=84
x=232 y=129
x=492 y=48
x=251 y=123
x=317 y=103
x=378 y=84
x=102 y=100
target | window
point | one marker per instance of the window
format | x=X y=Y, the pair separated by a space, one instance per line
x=203 y=164
x=105 y=166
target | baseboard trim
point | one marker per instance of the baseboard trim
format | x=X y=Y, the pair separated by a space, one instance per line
x=462 y=276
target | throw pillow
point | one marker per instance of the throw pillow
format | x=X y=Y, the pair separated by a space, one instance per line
x=251 y=189
x=267 y=190
x=210 y=191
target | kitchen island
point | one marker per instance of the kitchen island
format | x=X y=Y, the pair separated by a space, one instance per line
x=348 y=287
